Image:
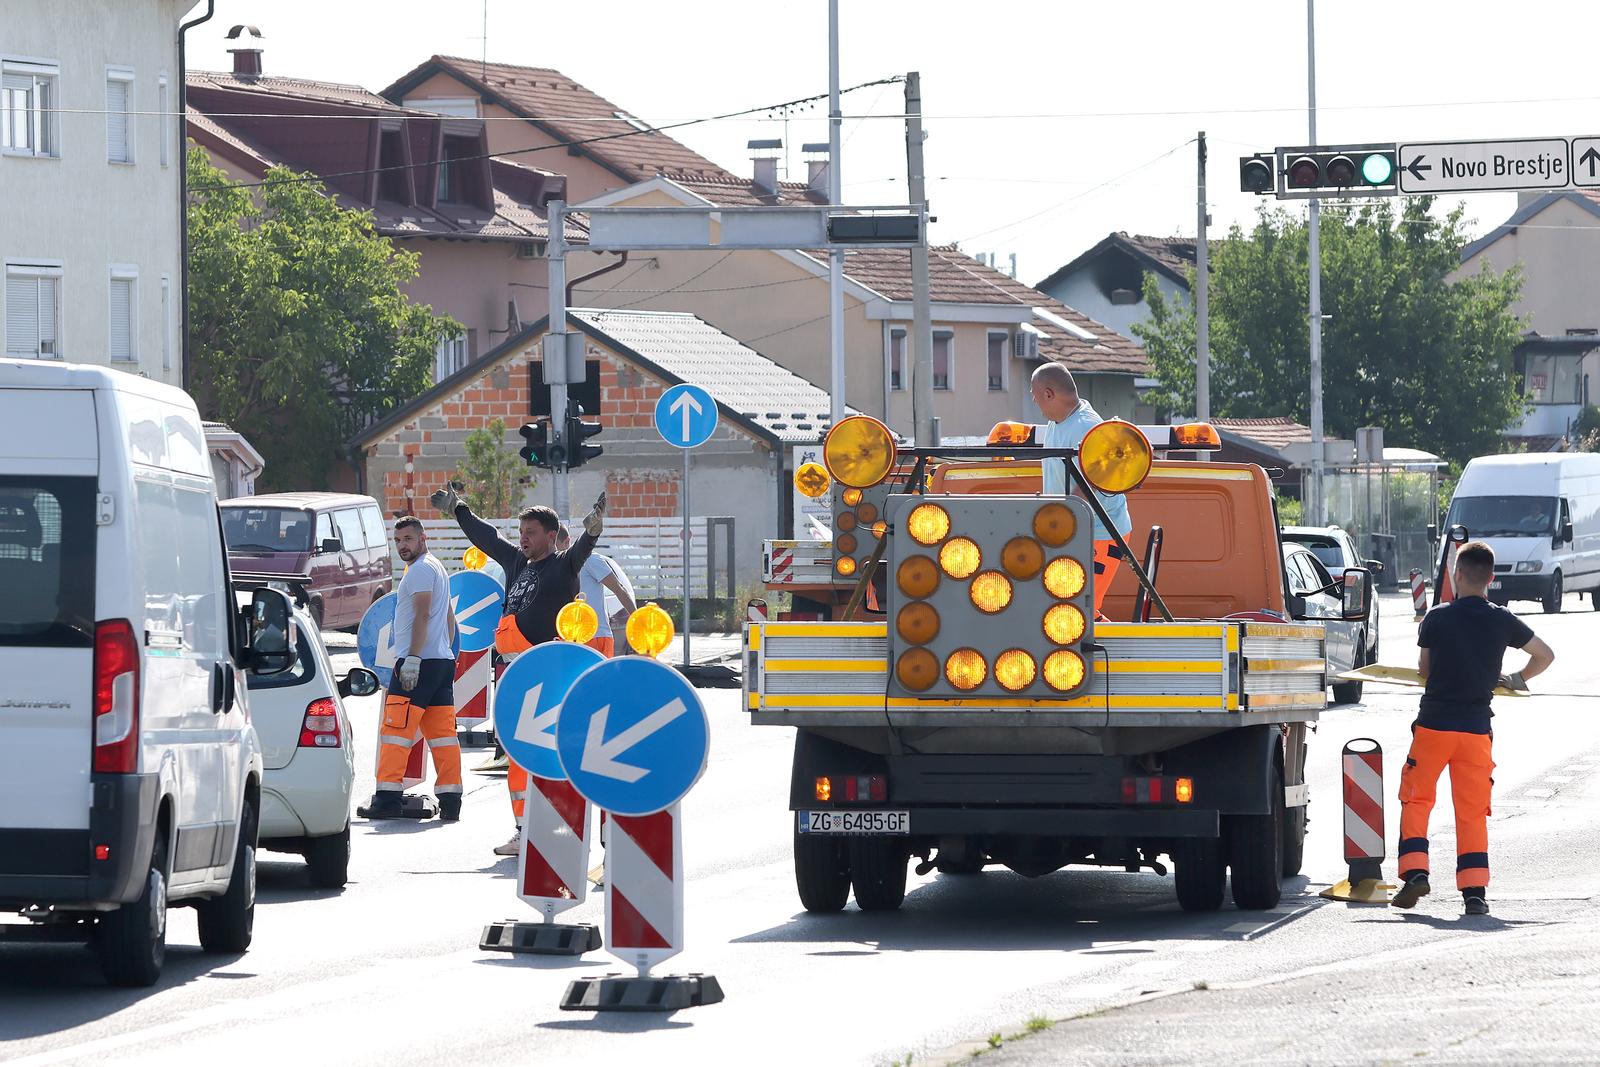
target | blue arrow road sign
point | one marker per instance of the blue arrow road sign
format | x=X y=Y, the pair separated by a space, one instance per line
x=477 y=599
x=375 y=639
x=527 y=703
x=686 y=416
x=633 y=736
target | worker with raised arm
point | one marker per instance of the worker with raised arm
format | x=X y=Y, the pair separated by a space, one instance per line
x=1463 y=645
x=421 y=698
x=598 y=575
x=1068 y=418
x=541 y=579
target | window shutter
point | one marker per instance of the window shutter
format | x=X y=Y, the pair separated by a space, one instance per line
x=119 y=332
x=22 y=316
x=117 y=121
x=49 y=315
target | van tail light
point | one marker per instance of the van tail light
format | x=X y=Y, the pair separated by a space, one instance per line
x=116 y=697
x=321 y=726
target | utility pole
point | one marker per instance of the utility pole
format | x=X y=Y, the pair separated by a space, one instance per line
x=1202 y=302
x=555 y=352
x=921 y=310
x=836 y=380
x=1313 y=508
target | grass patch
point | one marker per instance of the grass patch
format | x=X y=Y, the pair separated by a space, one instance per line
x=1039 y=1022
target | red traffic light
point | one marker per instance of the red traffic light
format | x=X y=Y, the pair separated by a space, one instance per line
x=1304 y=173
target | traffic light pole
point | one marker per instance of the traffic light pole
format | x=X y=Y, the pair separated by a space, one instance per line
x=1313 y=507
x=1202 y=302
x=556 y=254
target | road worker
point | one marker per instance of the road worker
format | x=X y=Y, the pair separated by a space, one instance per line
x=541 y=580
x=599 y=574
x=421 y=697
x=1068 y=418
x=1462 y=647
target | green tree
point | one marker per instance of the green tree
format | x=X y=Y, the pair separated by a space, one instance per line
x=1404 y=347
x=491 y=472
x=300 y=329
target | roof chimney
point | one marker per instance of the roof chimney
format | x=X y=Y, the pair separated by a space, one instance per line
x=765 y=178
x=817 y=160
x=247 y=55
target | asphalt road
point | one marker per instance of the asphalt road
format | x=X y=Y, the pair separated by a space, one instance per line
x=1104 y=964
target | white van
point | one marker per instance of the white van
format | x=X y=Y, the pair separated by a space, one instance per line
x=130 y=773
x=1540 y=512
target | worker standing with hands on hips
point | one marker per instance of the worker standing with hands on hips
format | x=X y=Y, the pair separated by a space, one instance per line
x=422 y=694
x=541 y=579
x=1463 y=644
x=1069 y=417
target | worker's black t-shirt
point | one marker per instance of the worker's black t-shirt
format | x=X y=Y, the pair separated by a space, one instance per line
x=1466 y=641
x=535 y=590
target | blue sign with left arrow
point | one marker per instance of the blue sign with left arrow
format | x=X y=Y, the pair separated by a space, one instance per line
x=375 y=639
x=686 y=416
x=633 y=736
x=476 y=598
x=528 y=700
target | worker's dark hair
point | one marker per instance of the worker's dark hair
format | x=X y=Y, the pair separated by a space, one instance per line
x=542 y=515
x=408 y=521
x=1475 y=561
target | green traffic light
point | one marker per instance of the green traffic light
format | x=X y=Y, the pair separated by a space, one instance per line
x=1377 y=169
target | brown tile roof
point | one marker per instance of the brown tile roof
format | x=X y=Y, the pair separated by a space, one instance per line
x=297 y=88
x=569 y=112
x=729 y=190
x=1176 y=254
x=1274 y=433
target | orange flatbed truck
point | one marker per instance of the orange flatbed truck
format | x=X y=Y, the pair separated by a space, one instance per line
x=963 y=705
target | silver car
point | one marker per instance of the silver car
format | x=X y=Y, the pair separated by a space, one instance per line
x=1336 y=550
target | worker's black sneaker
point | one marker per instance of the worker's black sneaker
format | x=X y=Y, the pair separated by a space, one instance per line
x=1415 y=889
x=1476 y=903
x=385 y=805
x=450 y=807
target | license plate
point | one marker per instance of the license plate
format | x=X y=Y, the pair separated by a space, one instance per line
x=855 y=822
x=1495 y=585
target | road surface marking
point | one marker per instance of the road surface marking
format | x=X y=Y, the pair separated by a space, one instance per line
x=1539 y=793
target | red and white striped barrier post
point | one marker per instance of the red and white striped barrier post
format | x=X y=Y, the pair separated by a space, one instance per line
x=782 y=564
x=755 y=610
x=1364 y=848
x=474 y=678
x=644 y=888
x=1419 y=593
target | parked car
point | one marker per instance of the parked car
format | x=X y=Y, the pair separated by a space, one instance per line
x=1315 y=596
x=1540 y=512
x=309 y=755
x=330 y=551
x=1337 y=552
x=130 y=773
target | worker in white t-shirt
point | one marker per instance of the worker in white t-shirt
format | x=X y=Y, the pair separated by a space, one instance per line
x=599 y=574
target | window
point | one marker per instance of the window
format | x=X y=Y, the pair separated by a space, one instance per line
x=999 y=342
x=897 y=359
x=251 y=530
x=119 y=129
x=324 y=528
x=203 y=596
x=372 y=524
x=121 y=318
x=28 y=109
x=47 y=561
x=33 y=311
x=348 y=523
x=943 y=342
x=449 y=357
x=166 y=322
x=164 y=124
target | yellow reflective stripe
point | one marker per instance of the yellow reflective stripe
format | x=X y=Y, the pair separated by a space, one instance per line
x=825 y=629
x=847 y=702
x=753 y=644
x=1308 y=632
x=1159 y=629
x=864 y=666
x=754 y=701
x=1209 y=474
x=1233 y=639
x=1029 y=470
x=1258 y=666
x=1161 y=666
x=1288 y=700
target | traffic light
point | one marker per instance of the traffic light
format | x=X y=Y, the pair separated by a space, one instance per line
x=1330 y=171
x=1256 y=174
x=536 y=453
x=579 y=431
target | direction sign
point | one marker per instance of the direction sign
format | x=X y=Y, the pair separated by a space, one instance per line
x=375 y=639
x=528 y=700
x=686 y=416
x=1476 y=166
x=1586 y=161
x=476 y=598
x=633 y=736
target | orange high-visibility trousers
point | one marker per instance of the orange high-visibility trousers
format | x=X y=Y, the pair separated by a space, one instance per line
x=606 y=646
x=1471 y=769
x=1107 y=561
x=517 y=786
x=402 y=722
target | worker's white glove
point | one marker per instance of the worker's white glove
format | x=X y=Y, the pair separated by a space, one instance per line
x=594 y=522
x=446 y=500
x=408 y=670
x=1514 y=680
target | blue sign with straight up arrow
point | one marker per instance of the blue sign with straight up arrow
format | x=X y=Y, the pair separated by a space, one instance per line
x=633 y=736
x=476 y=598
x=528 y=700
x=686 y=416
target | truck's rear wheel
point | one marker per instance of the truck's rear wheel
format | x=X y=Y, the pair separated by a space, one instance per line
x=1255 y=852
x=1200 y=873
x=132 y=941
x=821 y=872
x=878 y=872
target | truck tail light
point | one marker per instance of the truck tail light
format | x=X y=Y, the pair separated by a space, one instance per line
x=823 y=789
x=116 y=698
x=321 y=726
x=1157 y=790
x=866 y=787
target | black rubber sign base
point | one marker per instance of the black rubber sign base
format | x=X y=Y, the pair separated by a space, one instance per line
x=412 y=806
x=540 y=939
x=614 y=992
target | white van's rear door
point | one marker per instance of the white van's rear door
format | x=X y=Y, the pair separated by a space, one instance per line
x=48 y=493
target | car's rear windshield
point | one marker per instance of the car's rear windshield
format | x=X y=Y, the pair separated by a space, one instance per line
x=248 y=529
x=1325 y=549
x=47 y=555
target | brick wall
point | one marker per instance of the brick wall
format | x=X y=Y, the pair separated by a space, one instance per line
x=642 y=494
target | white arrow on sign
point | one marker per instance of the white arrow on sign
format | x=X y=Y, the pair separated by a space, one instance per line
x=455 y=605
x=385 y=654
x=534 y=728
x=685 y=403
x=599 y=755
